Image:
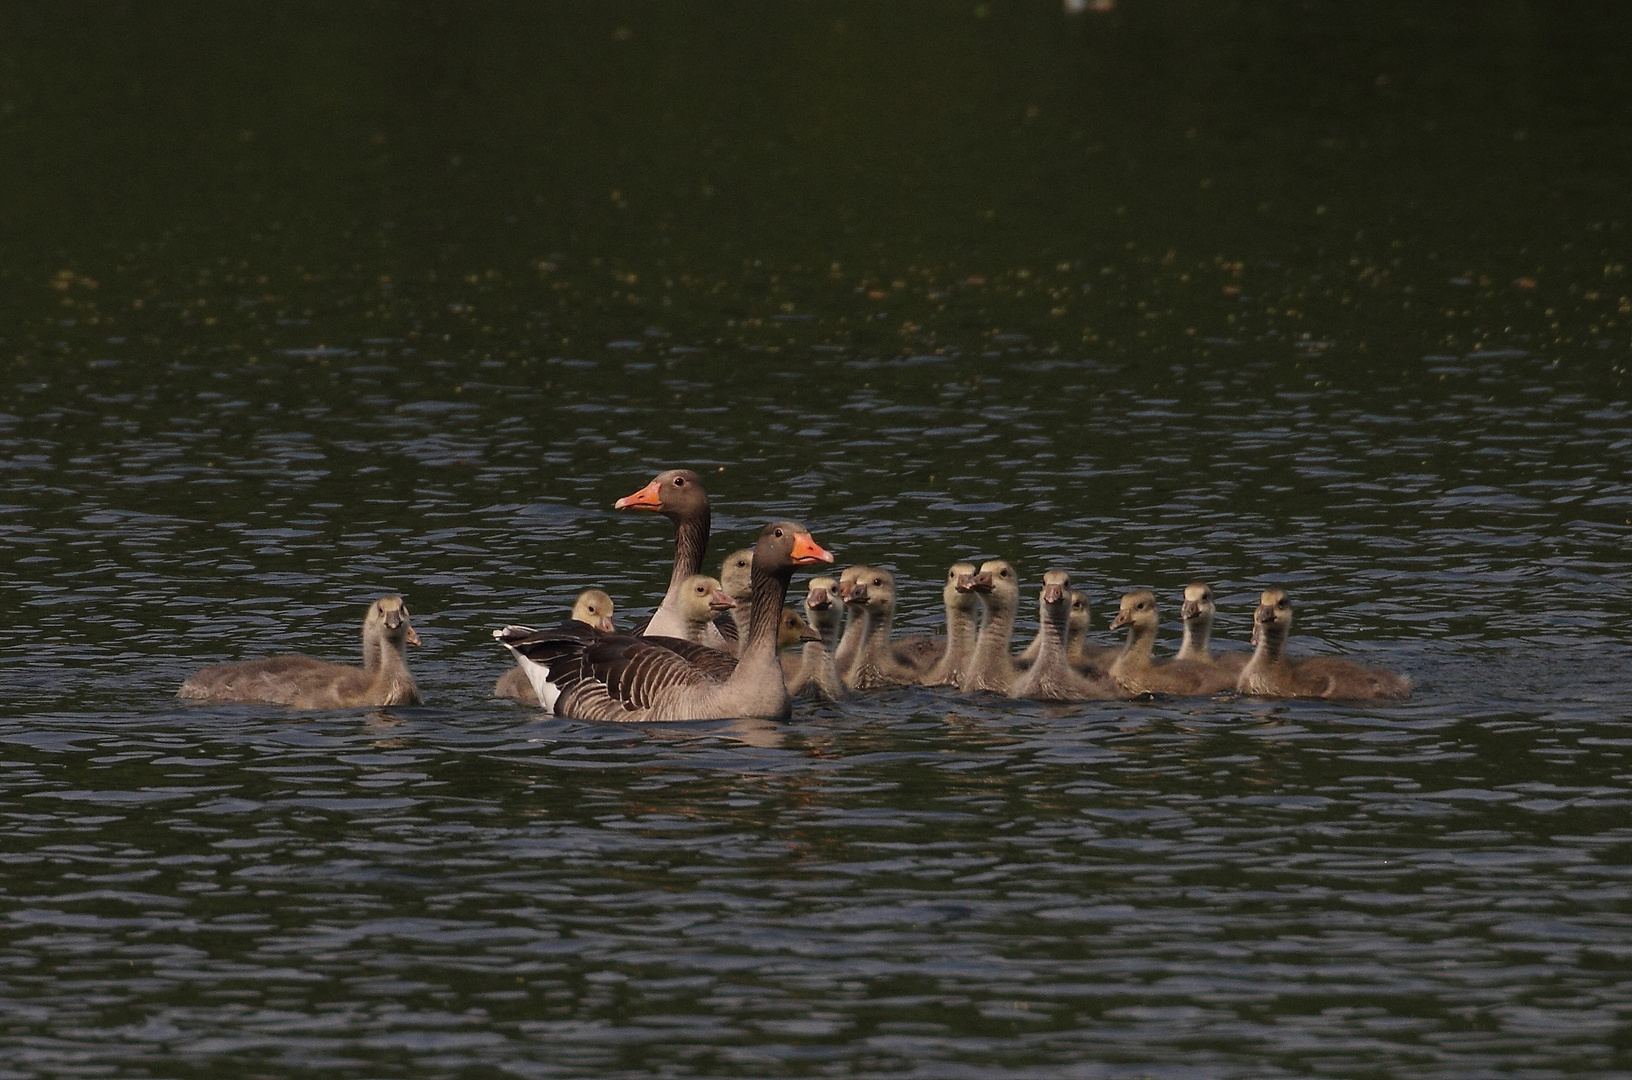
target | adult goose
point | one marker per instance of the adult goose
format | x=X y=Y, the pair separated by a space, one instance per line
x=1051 y=676
x=992 y=668
x=879 y=661
x=592 y=608
x=962 y=626
x=679 y=495
x=1271 y=674
x=1136 y=673
x=588 y=676
x=1197 y=613
x=303 y=682
x=817 y=676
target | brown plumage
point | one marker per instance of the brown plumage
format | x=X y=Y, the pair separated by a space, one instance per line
x=592 y=608
x=613 y=677
x=992 y=668
x=1136 y=673
x=1197 y=613
x=302 y=682
x=817 y=675
x=679 y=495
x=1051 y=676
x=962 y=626
x=1270 y=673
x=880 y=661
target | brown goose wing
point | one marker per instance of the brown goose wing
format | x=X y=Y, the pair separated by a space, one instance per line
x=598 y=676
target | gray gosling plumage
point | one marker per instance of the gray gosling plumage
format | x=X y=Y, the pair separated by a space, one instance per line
x=1270 y=673
x=302 y=682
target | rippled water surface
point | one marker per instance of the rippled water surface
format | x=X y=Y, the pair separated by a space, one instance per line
x=301 y=307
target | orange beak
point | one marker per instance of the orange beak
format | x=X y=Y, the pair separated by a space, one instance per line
x=806 y=550
x=649 y=497
x=413 y=638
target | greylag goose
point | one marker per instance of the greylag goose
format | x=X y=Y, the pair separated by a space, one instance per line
x=589 y=676
x=877 y=663
x=992 y=668
x=1136 y=673
x=962 y=626
x=1270 y=674
x=791 y=632
x=592 y=608
x=855 y=627
x=736 y=578
x=679 y=495
x=817 y=675
x=302 y=682
x=1198 y=631
x=1051 y=676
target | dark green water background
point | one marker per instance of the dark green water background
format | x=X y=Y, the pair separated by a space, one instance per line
x=303 y=303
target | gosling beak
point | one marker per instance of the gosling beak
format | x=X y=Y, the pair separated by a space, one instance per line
x=820 y=599
x=1190 y=610
x=649 y=497
x=1053 y=594
x=806 y=550
x=856 y=595
x=720 y=601
x=1264 y=616
x=809 y=634
x=1122 y=619
x=604 y=624
x=981 y=582
x=964 y=583
x=413 y=637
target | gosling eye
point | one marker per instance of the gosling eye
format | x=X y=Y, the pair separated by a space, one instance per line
x=878 y=581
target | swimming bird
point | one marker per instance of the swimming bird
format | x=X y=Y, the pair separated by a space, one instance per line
x=1051 y=676
x=679 y=495
x=1197 y=613
x=962 y=626
x=817 y=675
x=736 y=579
x=303 y=682
x=878 y=663
x=1271 y=674
x=592 y=608
x=1136 y=673
x=614 y=677
x=992 y=668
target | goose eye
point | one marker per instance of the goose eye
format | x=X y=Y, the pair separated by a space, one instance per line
x=679 y=481
x=779 y=532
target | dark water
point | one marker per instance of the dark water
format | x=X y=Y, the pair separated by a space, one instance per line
x=304 y=305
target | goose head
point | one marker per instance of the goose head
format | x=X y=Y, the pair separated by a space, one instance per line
x=736 y=575
x=848 y=580
x=997 y=584
x=784 y=545
x=1273 y=617
x=388 y=617
x=673 y=493
x=1079 y=613
x=594 y=608
x=874 y=590
x=958 y=592
x=701 y=599
x=793 y=630
x=1198 y=602
x=821 y=601
x=1138 y=610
